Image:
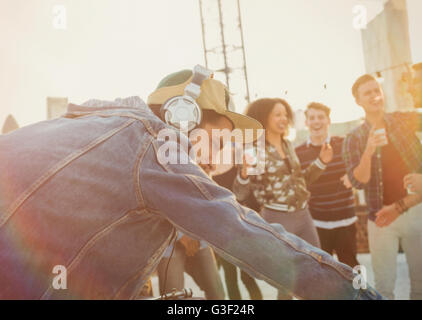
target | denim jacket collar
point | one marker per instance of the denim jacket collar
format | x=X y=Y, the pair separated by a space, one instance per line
x=95 y=105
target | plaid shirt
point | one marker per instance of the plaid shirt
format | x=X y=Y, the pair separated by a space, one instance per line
x=401 y=128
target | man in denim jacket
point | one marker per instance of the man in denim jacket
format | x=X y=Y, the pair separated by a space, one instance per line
x=85 y=198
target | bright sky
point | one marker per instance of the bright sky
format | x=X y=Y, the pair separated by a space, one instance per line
x=117 y=48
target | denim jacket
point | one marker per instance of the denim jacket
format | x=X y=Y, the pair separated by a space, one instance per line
x=87 y=192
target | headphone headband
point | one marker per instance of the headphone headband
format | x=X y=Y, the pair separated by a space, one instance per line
x=183 y=112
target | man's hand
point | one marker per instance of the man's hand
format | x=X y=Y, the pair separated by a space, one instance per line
x=413 y=181
x=191 y=245
x=374 y=141
x=362 y=172
x=326 y=154
x=346 y=181
x=386 y=216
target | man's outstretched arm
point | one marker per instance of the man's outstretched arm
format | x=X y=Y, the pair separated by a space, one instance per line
x=197 y=206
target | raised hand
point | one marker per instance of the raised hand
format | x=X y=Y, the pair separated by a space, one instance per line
x=248 y=161
x=374 y=141
x=326 y=154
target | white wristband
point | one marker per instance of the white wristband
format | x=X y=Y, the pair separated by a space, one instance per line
x=320 y=164
x=241 y=180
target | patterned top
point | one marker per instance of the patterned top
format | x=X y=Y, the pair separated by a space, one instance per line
x=283 y=184
x=401 y=128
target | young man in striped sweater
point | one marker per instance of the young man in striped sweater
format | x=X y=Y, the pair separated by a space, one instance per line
x=332 y=201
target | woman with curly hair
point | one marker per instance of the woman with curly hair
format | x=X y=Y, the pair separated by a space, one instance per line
x=281 y=190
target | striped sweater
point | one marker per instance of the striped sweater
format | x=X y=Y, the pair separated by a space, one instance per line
x=331 y=203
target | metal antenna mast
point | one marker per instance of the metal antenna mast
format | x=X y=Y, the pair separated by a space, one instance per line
x=224 y=49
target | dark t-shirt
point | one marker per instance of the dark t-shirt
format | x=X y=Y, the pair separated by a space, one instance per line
x=394 y=169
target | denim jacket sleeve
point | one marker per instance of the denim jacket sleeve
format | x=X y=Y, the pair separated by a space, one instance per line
x=184 y=195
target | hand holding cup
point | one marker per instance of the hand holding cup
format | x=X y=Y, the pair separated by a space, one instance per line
x=377 y=138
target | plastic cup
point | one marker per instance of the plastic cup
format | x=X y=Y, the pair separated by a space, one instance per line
x=383 y=133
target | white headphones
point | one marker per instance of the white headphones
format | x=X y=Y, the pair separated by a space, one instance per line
x=182 y=112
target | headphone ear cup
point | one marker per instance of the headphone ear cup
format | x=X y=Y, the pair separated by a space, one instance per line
x=197 y=115
x=179 y=109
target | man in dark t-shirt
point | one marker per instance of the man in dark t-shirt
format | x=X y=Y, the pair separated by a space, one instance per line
x=379 y=154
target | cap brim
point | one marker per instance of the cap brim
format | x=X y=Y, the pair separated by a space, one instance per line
x=212 y=97
x=244 y=123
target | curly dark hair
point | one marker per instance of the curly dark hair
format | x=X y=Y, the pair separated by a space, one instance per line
x=260 y=110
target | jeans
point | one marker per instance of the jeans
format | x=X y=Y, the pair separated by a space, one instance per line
x=201 y=267
x=384 y=246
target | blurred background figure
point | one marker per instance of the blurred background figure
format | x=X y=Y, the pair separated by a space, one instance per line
x=332 y=201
